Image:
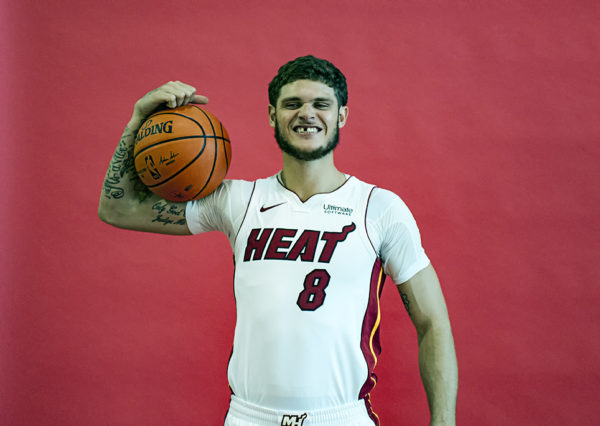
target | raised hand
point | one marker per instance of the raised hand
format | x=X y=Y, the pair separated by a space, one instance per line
x=171 y=95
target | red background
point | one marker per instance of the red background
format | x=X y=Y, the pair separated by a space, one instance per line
x=483 y=116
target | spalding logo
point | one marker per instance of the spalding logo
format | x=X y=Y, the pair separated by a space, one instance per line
x=152 y=129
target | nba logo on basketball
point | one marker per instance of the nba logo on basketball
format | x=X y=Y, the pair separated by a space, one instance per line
x=289 y=420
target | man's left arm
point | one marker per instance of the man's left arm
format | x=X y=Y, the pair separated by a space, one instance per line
x=425 y=304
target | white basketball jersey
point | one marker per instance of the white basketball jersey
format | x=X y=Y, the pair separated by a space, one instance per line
x=307 y=286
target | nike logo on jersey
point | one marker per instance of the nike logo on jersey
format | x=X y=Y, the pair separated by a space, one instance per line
x=264 y=209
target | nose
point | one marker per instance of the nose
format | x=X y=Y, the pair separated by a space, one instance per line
x=307 y=112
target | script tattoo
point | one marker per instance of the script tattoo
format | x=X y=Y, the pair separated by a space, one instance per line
x=121 y=165
x=406 y=302
x=169 y=214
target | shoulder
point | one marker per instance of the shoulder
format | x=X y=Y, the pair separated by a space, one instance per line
x=388 y=218
x=221 y=209
x=274 y=180
x=395 y=235
x=378 y=195
x=230 y=189
x=384 y=202
x=237 y=185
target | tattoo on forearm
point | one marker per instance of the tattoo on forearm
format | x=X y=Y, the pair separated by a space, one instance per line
x=169 y=214
x=406 y=302
x=122 y=166
x=141 y=191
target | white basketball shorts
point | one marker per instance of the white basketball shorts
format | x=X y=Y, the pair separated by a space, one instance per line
x=242 y=413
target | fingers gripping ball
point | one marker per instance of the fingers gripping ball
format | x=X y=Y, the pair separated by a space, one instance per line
x=182 y=154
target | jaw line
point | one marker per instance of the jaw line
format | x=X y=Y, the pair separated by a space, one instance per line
x=302 y=155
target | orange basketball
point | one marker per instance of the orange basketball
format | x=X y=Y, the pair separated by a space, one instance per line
x=182 y=154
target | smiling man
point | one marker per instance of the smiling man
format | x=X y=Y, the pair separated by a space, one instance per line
x=312 y=247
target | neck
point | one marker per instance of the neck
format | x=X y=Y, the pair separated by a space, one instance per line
x=307 y=178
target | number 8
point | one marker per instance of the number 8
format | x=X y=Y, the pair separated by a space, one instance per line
x=313 y=295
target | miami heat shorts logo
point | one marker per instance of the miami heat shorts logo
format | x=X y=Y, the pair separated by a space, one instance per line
x=293 y=420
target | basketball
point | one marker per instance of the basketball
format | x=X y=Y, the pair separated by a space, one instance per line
x=182 y=154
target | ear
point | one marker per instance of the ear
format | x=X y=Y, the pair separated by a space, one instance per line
x=272 y=115
x=343 y=116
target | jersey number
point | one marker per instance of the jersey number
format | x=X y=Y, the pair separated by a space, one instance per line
x=313 y=295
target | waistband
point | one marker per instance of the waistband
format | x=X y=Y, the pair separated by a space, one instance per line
x=334 y=416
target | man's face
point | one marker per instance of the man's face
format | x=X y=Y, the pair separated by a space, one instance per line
x=307 y=119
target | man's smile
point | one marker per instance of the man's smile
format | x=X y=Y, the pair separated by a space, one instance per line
x=304 y=129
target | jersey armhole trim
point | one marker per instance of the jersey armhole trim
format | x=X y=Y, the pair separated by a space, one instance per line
x=366 y=227
x=245 y=213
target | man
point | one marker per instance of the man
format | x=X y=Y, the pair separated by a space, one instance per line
x=312 y=247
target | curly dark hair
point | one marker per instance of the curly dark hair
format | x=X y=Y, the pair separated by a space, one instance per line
x=309 y=68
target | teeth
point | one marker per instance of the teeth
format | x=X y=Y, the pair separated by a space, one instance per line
x=307 y=130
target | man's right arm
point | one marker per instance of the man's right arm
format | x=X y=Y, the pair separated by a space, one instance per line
x=125 y=202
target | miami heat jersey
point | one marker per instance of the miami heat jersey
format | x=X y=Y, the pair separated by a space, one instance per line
x=308 y=277
x=306 y=287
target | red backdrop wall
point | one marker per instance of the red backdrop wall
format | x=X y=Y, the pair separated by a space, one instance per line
x=483 y=116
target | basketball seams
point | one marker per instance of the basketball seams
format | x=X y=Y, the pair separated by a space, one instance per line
x=158 y=114
x=177 y=139
x=224 y=147
x=212 y=170
x=181 y=115
x=208 y=117
x=223 y=132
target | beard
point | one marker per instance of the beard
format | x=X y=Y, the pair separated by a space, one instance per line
x=303 y=155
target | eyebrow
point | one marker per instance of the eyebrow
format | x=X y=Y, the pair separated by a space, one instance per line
x=296 y=98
